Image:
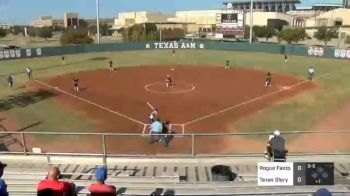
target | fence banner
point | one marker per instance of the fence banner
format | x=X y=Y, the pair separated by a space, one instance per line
x=19 y=53
x=342 y=53
x=315 y=51
x=175 y=45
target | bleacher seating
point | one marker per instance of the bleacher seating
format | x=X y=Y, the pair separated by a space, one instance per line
x=144 y=176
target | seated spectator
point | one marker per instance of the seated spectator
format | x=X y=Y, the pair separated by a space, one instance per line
x=3 y=186
x=276 y=144
x=156 y=128
x=322 y=192
x=100 y=188
x=52 y=182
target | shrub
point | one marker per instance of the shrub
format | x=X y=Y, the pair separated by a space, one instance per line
x=76 y=36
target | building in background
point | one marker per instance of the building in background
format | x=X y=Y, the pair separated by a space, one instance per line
x=339 y=18
x=92 y=21
x=263 y=5
x=6 y=26
x=71 y=19
x=126 y=19
x=47 y=21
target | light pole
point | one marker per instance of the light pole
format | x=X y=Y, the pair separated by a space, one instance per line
x=251 y=23
x=98 y=20
x=160 y=31
x=339 y=35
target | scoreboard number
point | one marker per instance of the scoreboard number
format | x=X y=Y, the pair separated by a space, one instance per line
x=320 y=174
x=313 y=174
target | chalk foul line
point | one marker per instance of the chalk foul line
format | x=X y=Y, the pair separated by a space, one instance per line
x=90 y=102
x=260 y=97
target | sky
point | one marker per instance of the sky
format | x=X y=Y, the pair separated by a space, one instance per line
x=24 y=11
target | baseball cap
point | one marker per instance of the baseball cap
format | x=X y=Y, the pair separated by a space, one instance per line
x=2 y=165
x=323 y=192
x=101 y=173
x=276 y=133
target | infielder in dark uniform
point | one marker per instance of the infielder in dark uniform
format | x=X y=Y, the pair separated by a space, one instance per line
x=110 y=62
x=76 y=83
x=268 y=80
x=174 y=52
x=168 y=81
x=63 y=59
x=227 y=65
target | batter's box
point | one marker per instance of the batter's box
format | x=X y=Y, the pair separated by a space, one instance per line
x=177 y=128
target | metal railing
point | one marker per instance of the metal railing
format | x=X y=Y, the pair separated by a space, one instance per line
x=192 y=140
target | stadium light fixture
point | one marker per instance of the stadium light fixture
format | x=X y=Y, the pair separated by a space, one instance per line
x=98 y=20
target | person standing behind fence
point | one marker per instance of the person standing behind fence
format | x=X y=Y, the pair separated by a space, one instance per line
x=311 y=73
x=29 y=73
x=10 y=80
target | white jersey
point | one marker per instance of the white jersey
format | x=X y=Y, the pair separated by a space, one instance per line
x=28 y=70
x=311 y=70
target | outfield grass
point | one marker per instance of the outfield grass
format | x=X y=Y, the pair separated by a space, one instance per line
x=298 y=113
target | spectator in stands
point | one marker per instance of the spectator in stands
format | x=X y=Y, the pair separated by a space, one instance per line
x=322 y=192
x=52 y=182
x=100 y=188
x=156 y=128
x=3 y=186
x=275 y=144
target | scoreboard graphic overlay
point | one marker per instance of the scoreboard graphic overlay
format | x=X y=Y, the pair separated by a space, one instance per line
x=295 y=173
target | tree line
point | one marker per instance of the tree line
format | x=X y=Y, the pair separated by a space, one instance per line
x=291 y=35
x=80 y=35
x=150 y=32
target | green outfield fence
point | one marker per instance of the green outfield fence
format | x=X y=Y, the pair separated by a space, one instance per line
x=317 y=51
x=133 y=145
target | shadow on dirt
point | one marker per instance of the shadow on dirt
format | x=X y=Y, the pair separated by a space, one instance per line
x=100 y=58
x=24 y=99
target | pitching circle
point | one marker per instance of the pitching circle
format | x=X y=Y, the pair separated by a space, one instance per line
x=159 y=87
